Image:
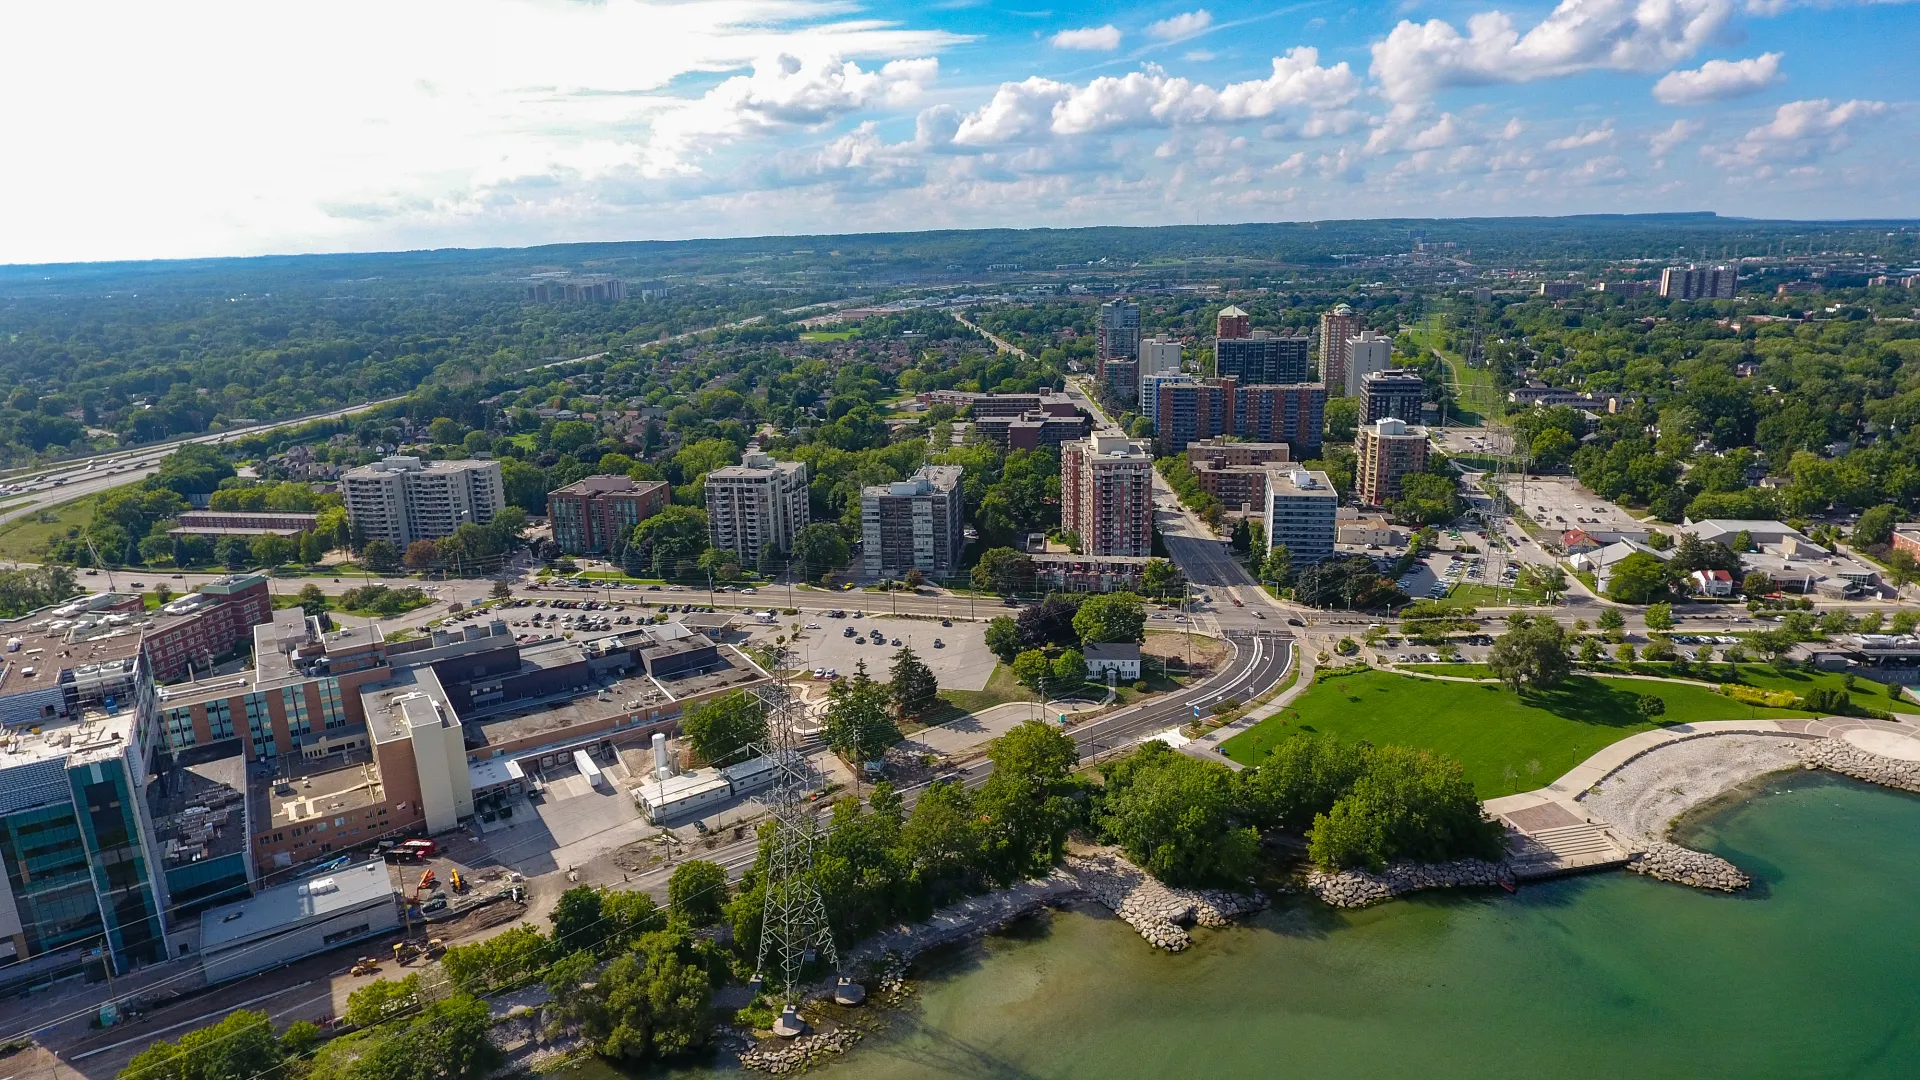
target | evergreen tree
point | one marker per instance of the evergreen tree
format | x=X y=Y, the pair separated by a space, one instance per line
x=913 y=688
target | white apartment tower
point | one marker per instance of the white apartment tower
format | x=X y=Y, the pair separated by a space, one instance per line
x=402 y=499
x=1366 y=353
x=1106 y=494
x=755 y=505
x=1301 y=509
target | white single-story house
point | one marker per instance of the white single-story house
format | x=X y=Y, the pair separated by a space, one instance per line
x=1711 y=583
x=1123 y=659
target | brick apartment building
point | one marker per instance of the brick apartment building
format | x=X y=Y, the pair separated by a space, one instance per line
x=597 y=515
x=1190 y=412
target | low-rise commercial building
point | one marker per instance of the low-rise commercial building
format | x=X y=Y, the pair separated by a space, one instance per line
x=297 y=920
x=1089 y=573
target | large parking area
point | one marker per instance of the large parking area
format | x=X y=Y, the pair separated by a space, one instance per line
x=1435 y=575
x=1559 y=504
x=960 y=662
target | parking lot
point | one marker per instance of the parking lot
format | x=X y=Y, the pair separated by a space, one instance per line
x=960 y=662
x=1434 y=576
x=1559 y=504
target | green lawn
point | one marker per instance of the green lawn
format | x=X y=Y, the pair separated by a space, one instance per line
x=1761 y=676
x=828 y=335
x=1507 y=742
x=26 y=539
x=1476 y=399
x=1001 y=688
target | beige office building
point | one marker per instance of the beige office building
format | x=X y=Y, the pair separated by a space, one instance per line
x=402 y=499
x=756 y=505
x=1388 y=450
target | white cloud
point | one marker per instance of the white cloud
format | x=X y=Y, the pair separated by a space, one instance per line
x=459 y=121
x=1801 y=131
x=1585 y=137
x=1663 y=141
x=1181 y=26
x=1091 y=38
x=1037 y=109
x=784 y=93
x=1417 y=59
x=1200 y=56
x=1717 y=79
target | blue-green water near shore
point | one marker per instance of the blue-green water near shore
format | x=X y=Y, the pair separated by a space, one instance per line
x=1814 y=973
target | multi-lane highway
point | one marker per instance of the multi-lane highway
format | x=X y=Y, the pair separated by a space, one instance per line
x=89 y=475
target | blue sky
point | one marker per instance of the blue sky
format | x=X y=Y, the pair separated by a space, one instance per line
x=215 y=127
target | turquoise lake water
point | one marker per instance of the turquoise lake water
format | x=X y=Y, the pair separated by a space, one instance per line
x=1813 y=973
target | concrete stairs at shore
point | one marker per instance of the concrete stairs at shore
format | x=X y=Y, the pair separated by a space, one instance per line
x=1548 y=840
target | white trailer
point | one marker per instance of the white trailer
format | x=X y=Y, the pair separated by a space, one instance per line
x=584 y=762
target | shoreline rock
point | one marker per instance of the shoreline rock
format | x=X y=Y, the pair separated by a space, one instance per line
x=1161 y=913
x=1361 y=888
x=1841 y=756
x=1666 y=861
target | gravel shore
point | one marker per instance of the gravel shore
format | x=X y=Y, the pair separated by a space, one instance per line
x=1643 y=798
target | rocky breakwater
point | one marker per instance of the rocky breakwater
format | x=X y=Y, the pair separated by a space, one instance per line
x=1160 y=912
x=1685 y=866
x=1359 y=888
x=1843 y=757
x=784 y=1056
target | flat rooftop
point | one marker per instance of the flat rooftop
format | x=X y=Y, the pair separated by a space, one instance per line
x=196 y=810
x=326 y=791
x=92 y=735
x=610 y=697
x=289 y=905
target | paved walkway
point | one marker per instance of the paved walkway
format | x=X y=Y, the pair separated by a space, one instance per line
x=1884 y=737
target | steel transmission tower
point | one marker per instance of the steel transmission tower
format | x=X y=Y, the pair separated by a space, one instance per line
x=793 y=931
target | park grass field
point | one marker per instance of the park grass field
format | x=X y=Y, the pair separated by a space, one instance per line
x=26 y=539
x=1506 y=742
x=1477 y=399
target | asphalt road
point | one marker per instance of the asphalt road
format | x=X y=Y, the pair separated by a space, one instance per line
x=81 y=477
x=1257 y=664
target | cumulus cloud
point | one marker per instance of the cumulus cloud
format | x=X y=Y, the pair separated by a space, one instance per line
x=1585 y=137
x=1717 y=79
x=1417 y=59
x=1037 y=109
x=1181 y=26
x=1802 y=131
x=1091 y=38
x=783 y=93
x=1666 y=139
